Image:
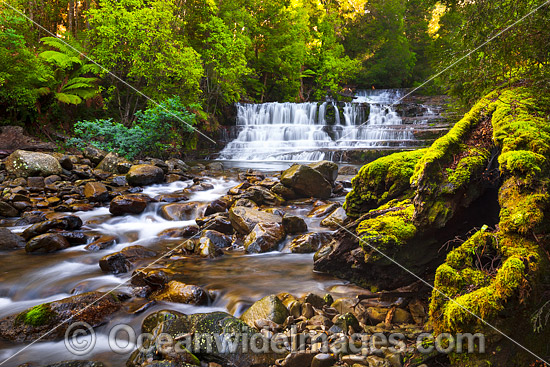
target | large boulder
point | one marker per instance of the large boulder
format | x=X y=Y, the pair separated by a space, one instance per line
x=294 y=224
x=26 y=164
x=124 y=261
x=65 y=222
x=328 y=169
x=145 y=174
x=49 y=242
x=335 y=220
x=95 y=155
x=129 y=204
x=245 y=219
x=111 y=163
x=268 y=308
x=206 y=335
x=9 y=240
x=264 y=237
x=49 y=321
x=306 y=181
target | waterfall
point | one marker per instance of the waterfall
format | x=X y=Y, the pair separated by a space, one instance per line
x=308 y=132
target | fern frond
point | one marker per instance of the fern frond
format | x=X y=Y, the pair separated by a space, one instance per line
x=68 y=98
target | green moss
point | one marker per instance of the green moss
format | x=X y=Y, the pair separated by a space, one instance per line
x=378 y=182
x=474 y=162
x=36 y=316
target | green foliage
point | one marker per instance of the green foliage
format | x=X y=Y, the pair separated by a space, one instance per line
x=36 y=316
x=159 y=131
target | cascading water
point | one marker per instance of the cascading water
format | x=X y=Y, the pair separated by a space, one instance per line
x=313 y=131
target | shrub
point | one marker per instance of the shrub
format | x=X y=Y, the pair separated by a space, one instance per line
x=158 y=131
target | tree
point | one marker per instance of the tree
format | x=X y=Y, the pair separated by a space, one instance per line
x=137 y=41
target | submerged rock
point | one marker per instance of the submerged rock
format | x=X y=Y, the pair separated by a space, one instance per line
x=179 y=211
x=26 y=164
x=124 y=261
x=10 y=241
x=48 y=320
x=180 y=292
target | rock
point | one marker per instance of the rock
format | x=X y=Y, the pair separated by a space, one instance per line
x=335 y=220
x=418 y=312
x=346 y=321
x=49 y=242
x=217 y=206
x=309 y=242
x=264 y=237
x=172 y=198
x=26 y=164
x=246 y=203
x=348 y=171
x=401 y=316
x=111 y=162
x=66 y=163
x=187 y=231
x=216 y=326
x=261 y=196
x=152 y=277
x=129 y=204
x=123 y=261
x=77 y=363
x=74 y=238
x=119 y=181
x=66 y=222
x=144 y=174
x=10 y=241
x=14 y=137
x=182 y=293
x=215 y=166
x=294 y=224
x=8 y=211
x=307 y=310
x=352 y=360
x=49 y=320
x=315 y=300
x=328 y=169
x=306 y=181
x=217 y=222
x=375 y=361
x=245 y=219
x=94 y=154
x=321 y=209
x=179 y=211
x=101 y=243
x=269 y=308
x=96 y=191
x=206 y=248
x=284 y=192
x=36 y=184
x=298 y=359
x=51 y=179
x=323 y=360
x=176 y=164
x=218 y=239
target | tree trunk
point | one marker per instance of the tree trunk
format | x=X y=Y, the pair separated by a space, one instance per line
x=70 y=17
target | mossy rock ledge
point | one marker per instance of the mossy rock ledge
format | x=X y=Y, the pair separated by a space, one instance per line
x=486 y=181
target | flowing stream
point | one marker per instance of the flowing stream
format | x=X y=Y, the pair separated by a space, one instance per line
x=237 y=279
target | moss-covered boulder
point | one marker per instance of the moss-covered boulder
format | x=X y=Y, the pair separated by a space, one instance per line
x=26 y=164
x=49 y=320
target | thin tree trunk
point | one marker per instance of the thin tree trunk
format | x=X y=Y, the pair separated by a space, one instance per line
x=70 y=17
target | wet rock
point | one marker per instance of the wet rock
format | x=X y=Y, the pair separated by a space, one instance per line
x=49 y=320
x=26 y=164
x=321 y=209
x=96 y=191
x=49 y=242
x=335 y=220
x=240 y=188
x=264 y=237
x=75 y=238
x=345 y=322
x=294 y=224
x=418 y=312
x=152 y=277
x=218 y=239
x=111 y=162
x=315 y=300
x=36 y=184
x=101 y=243
x=306 y=181
x=179 y=211
x=10 y=241
x=268 y=308
x=144 y=174
x=129 y=204
x=298 y=359
x=77 y=363
x=31 y=217
x=215 y=166
x=94 y=154
x=119 y=181
x=213 y=326
x=375 y=361
x=348 y=171
x=328 y=169
x=245 y=219
x=51 y=180
x=206 y=248
x=309 y=242
x=66 y=162
x=261 y=196
x=176 y=164
x=247 y=203
x=172 y=198
x=123 y=261
x=182 y=293
x=323 y=360
x=217 y=206
x=217 y=222
x=352 y=360
x=187 y=231
x=61 y=222
x=8 y=211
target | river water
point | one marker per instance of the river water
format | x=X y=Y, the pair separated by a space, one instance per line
x=237 y=279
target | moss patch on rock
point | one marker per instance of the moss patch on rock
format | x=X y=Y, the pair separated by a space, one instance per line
x=36 y=316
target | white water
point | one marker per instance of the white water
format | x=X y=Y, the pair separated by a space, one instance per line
x=300 y=131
